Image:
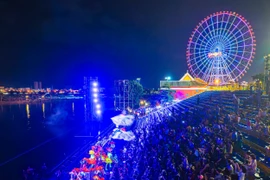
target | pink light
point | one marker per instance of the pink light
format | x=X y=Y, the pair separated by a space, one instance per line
x=241 y=20
x=215 y=54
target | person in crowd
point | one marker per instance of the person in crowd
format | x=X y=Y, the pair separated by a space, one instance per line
x=199 y=143
x=251 y=166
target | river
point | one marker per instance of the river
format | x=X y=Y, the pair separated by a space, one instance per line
x=33 y=134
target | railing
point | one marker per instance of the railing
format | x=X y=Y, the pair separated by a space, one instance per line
x=171 y=83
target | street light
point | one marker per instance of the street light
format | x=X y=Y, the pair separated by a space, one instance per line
x=98 y=112
x=95 y=84
x=217 y=82
x=96 y=106
x=168 y=78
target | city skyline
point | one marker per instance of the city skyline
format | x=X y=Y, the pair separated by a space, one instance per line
x=66 y=41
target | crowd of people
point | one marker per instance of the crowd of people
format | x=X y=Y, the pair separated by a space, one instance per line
x=178 y=142
x=99 y=162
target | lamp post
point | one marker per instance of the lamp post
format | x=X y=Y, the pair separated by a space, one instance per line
x=167 y=78
x=217 y=82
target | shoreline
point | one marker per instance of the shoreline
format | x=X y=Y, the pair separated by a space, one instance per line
x=34 y=102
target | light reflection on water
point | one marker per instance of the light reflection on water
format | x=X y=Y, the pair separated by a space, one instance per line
x=73 y=109
x=43 y=110
x=34 y=125
x=27 y=111
x=31 y=117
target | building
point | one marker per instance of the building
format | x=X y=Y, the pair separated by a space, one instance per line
x=186 y=87
x=37 y=85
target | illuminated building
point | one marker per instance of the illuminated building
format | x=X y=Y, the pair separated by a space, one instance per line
x=186 y=87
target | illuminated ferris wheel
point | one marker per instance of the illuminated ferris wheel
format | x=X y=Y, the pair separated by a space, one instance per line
x=221 y=48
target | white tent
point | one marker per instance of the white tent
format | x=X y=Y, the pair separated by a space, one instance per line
x=123 y=120
x=124 y=135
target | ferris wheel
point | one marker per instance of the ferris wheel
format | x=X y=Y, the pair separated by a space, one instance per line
x=221 y=48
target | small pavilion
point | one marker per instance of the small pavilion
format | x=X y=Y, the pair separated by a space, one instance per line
x=186 y=87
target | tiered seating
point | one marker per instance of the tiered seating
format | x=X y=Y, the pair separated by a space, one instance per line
x=225 y=100
x=160 y=133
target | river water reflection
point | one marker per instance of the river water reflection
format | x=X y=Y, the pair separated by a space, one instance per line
x=31 y=134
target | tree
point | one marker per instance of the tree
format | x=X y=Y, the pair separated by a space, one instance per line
x=259 y=77
x=136 y=92
x=167 y=95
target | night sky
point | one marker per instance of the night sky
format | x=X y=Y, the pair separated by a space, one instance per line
x=59 y=41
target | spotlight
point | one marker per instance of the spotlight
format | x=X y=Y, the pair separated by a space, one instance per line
x=95 y=95
x=98 y=111
x=95 y=84
x=95 y=89
x=98 y=106
x=95 y=100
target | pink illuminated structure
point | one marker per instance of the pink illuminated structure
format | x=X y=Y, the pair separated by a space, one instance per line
x=222 y=46
x=186 y=87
